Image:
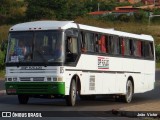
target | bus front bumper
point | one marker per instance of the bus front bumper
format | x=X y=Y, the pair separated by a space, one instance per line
x=35 y=88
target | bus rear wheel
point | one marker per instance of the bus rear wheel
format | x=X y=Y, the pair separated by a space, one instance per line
x=23 y=99
x=71 y=98
x=129 y=92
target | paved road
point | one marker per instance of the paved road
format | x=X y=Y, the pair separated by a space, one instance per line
x=10 y=103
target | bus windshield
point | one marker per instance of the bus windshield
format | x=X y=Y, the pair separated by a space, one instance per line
x=37 y=46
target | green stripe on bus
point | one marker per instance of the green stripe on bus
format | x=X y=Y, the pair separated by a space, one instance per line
x=33 y=88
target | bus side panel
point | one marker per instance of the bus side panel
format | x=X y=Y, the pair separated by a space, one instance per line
x=121 y=80
x=149 y=74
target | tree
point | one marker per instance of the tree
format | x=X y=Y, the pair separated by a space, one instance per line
x=54 y=9
x=140 y=15
x=11 y=11
x=124 y=18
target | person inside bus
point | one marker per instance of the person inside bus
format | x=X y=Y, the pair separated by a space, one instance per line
x=58 y=52
x=21 y=51
x=68 y=45
x=69 y=54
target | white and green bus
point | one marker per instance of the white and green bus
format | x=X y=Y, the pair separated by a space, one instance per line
x=63 y=59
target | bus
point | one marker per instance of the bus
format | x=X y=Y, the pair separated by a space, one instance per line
x=64 y=59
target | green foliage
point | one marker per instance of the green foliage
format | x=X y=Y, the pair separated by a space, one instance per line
x=157 y=50
x=11 y=11
x=2 y=57
x=2 y=74
x=156 y=11
x=109 y=17
x=54 y=9
x=138 y=4
x=124 y=18
x=140 y=16
x=41 y=13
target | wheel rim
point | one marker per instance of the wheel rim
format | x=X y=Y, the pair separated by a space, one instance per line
x=129 y=91
x=73 y=94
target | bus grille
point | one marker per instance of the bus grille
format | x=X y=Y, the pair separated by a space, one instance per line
x=37 y=88
x=28 y=79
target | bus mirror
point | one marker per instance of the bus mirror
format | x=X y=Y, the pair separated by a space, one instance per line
x=70 y=33
x=3 y=45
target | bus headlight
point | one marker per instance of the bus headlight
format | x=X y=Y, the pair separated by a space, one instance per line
x=58 y=79
x=15 y=79
x=49 y=79
x=54 y=79
x=9 y=79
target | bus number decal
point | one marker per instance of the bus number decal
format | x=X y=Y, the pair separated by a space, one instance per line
x=103 y=63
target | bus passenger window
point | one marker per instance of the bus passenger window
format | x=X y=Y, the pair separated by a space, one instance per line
x=137 y=46
x=110 y=44
x=126 y=47
x=83 y=50
x=89 y=42
x=71 y=49
x=148 y=50
x=116 y=45
x=122 y=42
x=102 y=44
x=132 y=47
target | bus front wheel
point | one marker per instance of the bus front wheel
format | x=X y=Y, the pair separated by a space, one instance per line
x=71 y=98
x=23 y=99
x=129 y=92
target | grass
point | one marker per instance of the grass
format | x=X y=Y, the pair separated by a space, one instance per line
x=158 y=65
x=2 y=74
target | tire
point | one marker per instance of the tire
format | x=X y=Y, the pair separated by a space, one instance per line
x=129 y=92
x=23 y=99
x=71 y=98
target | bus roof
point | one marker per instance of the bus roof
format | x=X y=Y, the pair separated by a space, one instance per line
x=53 y=25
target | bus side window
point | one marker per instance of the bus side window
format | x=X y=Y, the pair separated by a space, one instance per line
x=116 y=45
x=96 y=43
x=83 y=50
x=136 y=48
x=110 y=44
x=139 y=48
x=151 y=50
x=89 y=42
x=148 y=50
x=71 y=49
x=126 y=47
x=102 y=44
x=122 y=45
x=142 y=49
x=132 y=47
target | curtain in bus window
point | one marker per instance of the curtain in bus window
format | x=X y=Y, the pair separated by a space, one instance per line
x=126 y=47
x=148 y=50
x=73 y=45
x=151 y=49
x=139 y=49
x=136 y=48
x=110 y=44
x=89 y=42
x=122 y=46
x=116 y=45
x=102 y=44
